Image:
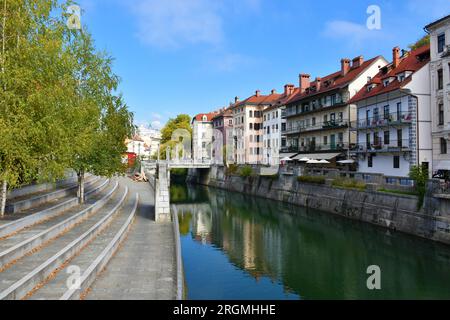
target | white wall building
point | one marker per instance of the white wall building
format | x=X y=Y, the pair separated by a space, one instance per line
x=202 y=136
x=394 y=120
x=151 y=138
x=440 y=91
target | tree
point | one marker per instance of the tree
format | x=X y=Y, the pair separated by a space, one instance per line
x=182 y=121
x=420 y=43
x=33 y=87
x=101 y=121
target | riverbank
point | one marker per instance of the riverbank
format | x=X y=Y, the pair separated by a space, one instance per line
x=391 y=211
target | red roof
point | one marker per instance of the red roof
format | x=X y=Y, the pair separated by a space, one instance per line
x=209 y=116
x=259 y=100
x=224 y=113
x=337 y=80
x=414 y=61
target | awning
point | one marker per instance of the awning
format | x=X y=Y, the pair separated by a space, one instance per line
x=287 y=155
x=442 y=165
x=317 y=156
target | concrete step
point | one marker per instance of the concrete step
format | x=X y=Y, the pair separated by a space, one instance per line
x=27 y=240
x=92 y=259
x=35 y=188
x=14 y=223
x=29 y=201
x=33 y=269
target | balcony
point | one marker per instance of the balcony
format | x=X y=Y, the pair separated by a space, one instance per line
x=308 y=109
x=315 y=147
x=393 y=119
x=318 y=126
x=392 y=146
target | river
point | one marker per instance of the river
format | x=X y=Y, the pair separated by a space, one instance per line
x=242 y=247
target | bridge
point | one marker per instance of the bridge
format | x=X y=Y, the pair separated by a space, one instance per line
x=158 y=173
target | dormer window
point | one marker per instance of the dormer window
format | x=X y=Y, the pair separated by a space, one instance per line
x=371 y=86
x=401 y=77
x=205 y=118
x=386 y=82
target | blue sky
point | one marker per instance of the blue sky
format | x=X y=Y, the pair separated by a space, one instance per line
x=193 y=56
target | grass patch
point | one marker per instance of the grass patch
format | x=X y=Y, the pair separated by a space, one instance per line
x=408 y=193
x=246 y=171
x=349 y=183
x=311 y=179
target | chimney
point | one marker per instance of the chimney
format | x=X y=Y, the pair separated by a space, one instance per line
x=396 y=57
x=304 y=82
x=273 y=91
x=257 y=93
x=318 y=83
x=236 y=99
x=288 y=89
x=357 y=62
x=345 y=66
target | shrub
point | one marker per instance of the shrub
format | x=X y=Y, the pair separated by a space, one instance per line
x=246 y=171
x=349 y=183
x=312 y=179
x=231 y=169
x=420 y=176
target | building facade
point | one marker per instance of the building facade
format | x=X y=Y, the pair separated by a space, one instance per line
x=202 y=136
x=223 y=136
x=319 y=117
x=248 y=127
x=394 y=119
x=440 y=91
x=274 y=121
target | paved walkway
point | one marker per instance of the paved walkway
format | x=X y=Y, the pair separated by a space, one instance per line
x=144 y=268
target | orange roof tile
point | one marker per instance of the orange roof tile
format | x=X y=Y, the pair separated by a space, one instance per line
x=337 y=81
x=414 y=61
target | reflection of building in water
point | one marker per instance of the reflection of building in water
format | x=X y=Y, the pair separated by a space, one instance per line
x=249 y=252
x=201 y=220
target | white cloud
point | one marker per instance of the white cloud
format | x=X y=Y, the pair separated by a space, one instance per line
x=353 y=33
x=156 y=116
x=174 y=23
x=156 y=124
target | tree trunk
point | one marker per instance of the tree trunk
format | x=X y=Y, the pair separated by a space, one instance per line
x=3 y=204
x=81 y=186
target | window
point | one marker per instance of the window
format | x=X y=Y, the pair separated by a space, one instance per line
x=375 y=114
x=440 y=76
x=441 y=114
x=230 y=122
x=340 y=116
x=370 y=161
x=368 y=140
x=396 y=162
x=313 y=121
x=250 y=126
x=325 y=140
x=441 y=42
x=386 y=137
x=399 y=110
x=386 y=112
x=443 y=146
x=325 y=118
x=283 y=127
x=399 y=138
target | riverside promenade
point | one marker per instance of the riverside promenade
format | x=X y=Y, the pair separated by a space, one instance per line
x=144 y=268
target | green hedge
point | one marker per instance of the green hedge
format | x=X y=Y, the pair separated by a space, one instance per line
x=349 y=183
x=312 y=179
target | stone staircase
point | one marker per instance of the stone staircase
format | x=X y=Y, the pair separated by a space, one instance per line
x=54 y=248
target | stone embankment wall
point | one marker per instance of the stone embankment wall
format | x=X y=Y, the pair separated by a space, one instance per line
x=391 y=211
